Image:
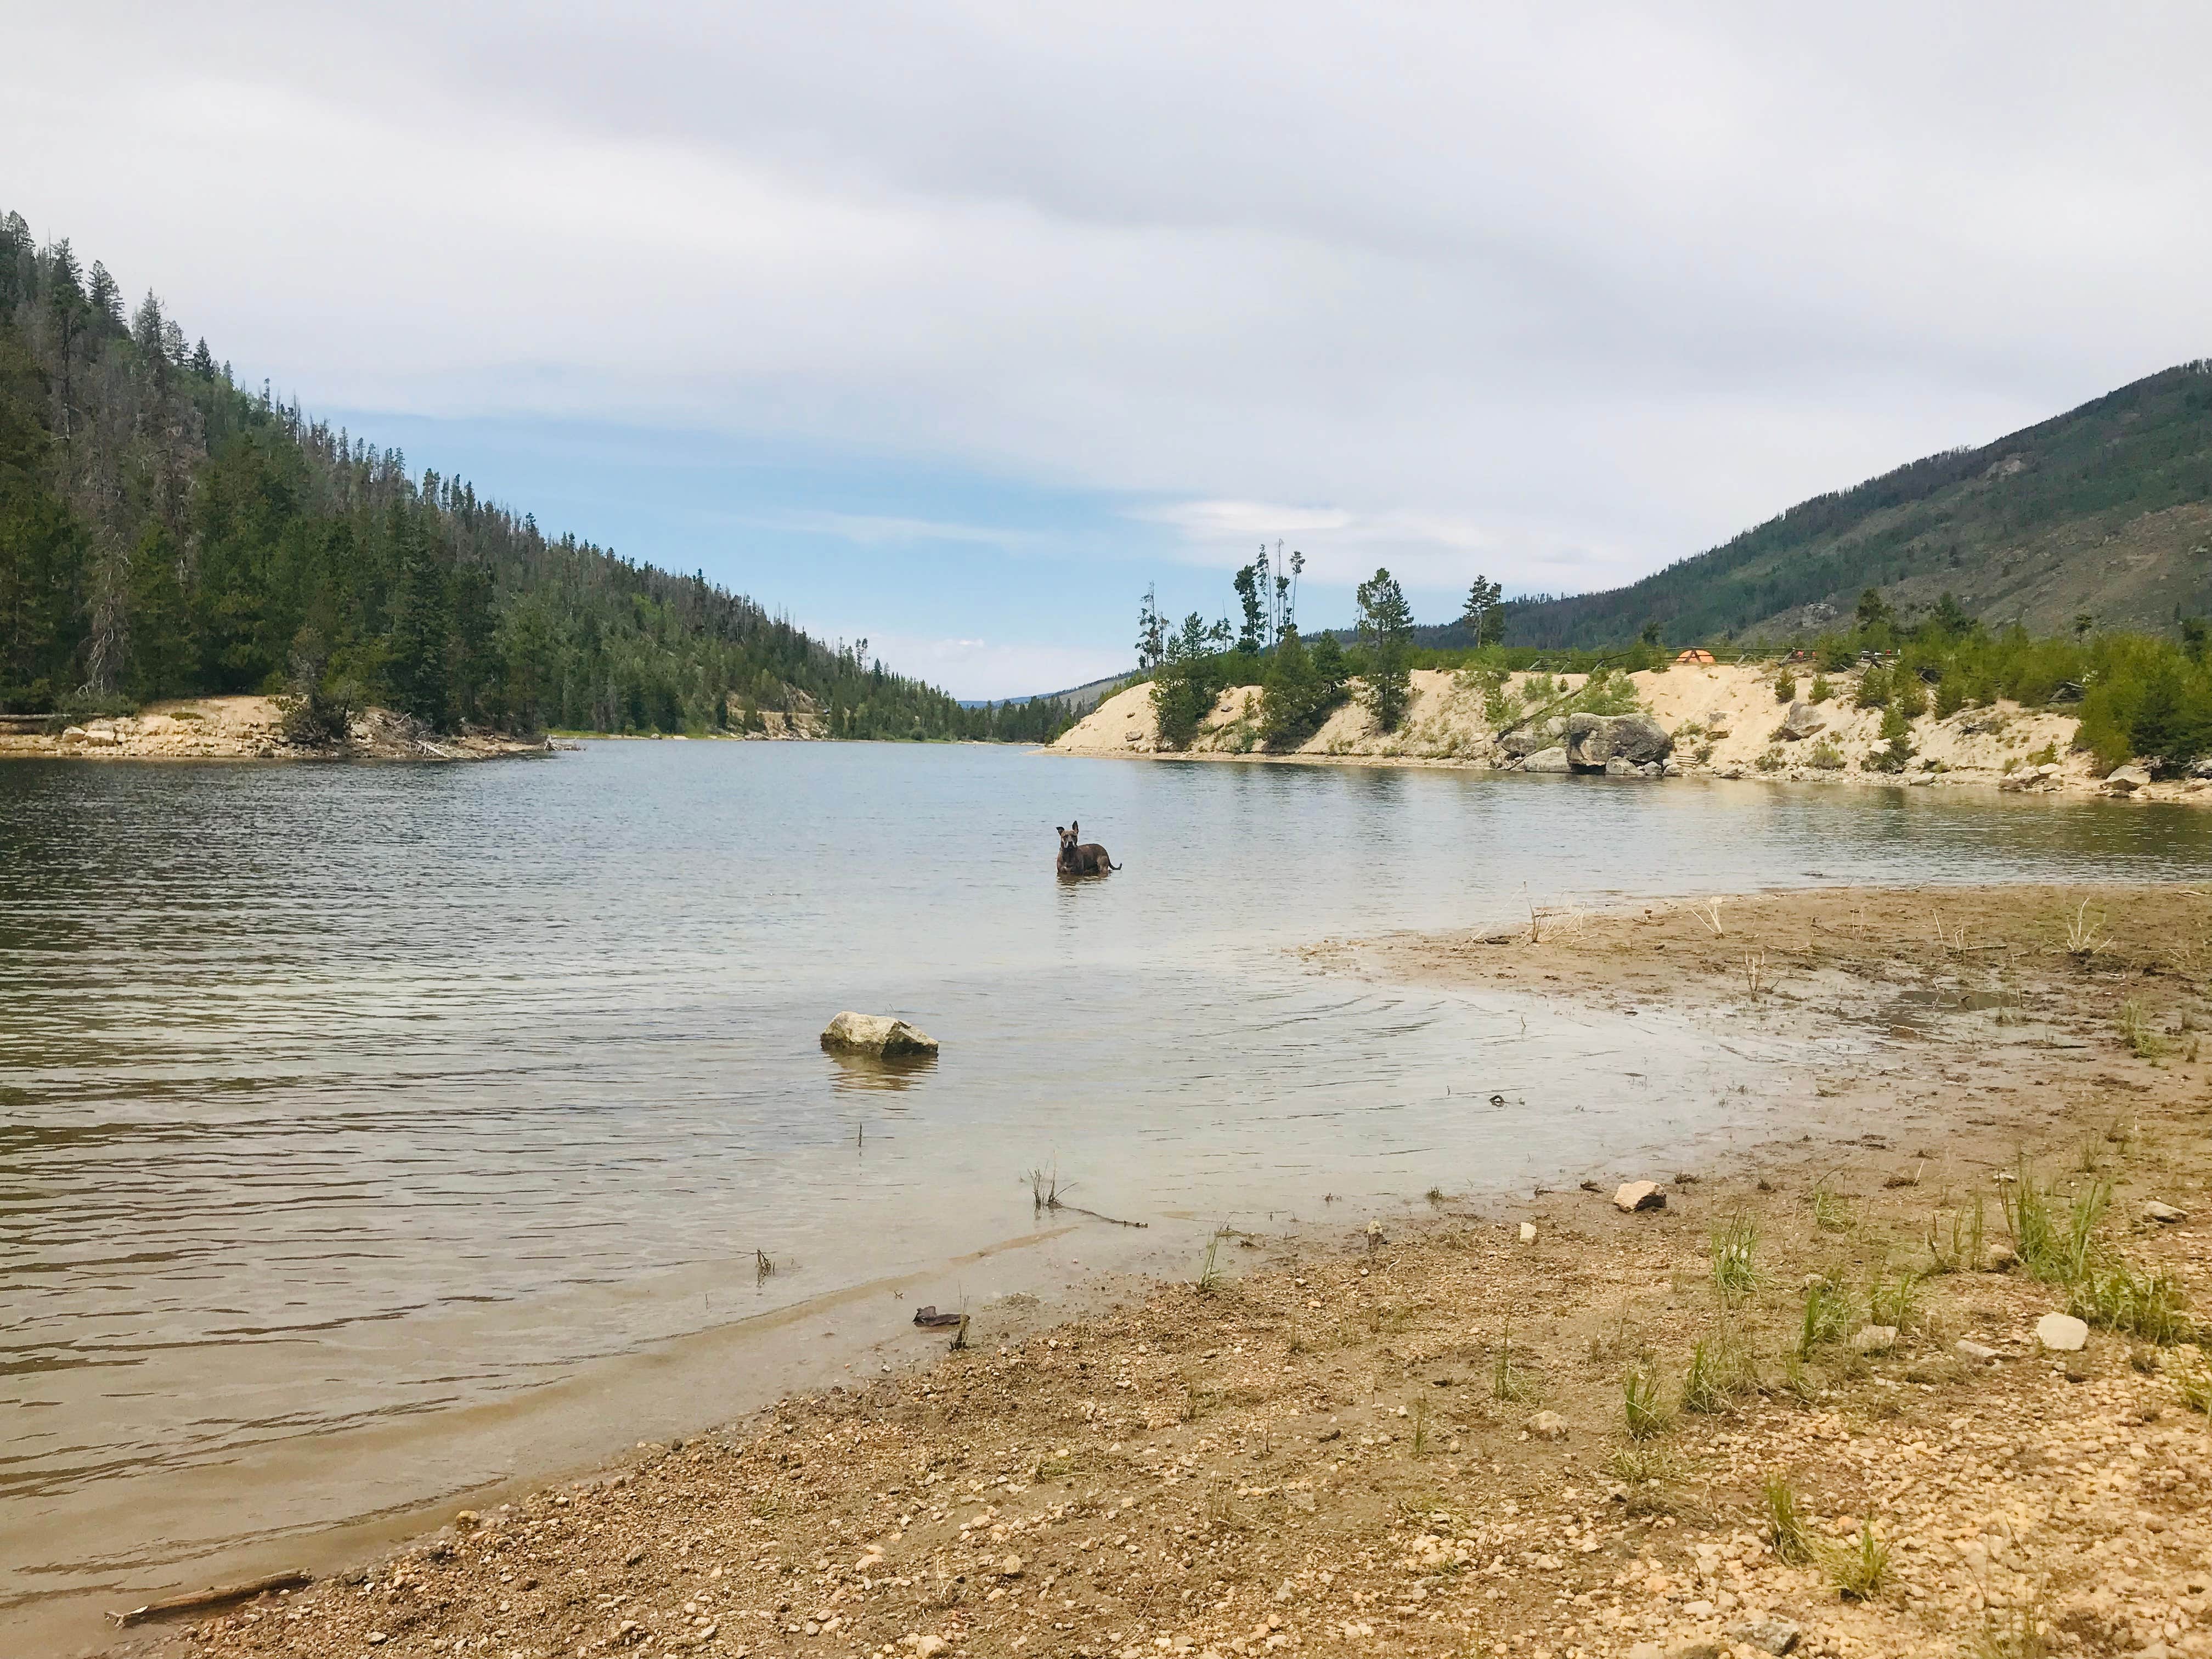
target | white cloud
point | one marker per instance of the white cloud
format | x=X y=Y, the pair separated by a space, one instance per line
x=1428 y=550
x=1586 y=282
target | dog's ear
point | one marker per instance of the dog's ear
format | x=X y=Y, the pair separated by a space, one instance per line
x=1057 y=830
x=1073 y=828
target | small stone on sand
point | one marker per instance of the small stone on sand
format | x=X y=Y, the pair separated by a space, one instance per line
x=2061 y=1332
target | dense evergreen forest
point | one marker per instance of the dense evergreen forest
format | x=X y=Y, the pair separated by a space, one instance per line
x=2100 y=511
x=166 y=532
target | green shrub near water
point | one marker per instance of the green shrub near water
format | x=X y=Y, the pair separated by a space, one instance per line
x=1193 y=673
x=1302 y=688
x=1896 y=752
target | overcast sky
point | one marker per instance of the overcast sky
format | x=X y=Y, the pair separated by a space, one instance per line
x=954 y=325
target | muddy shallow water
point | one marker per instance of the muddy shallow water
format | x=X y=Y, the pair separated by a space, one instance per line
x=368 y=1135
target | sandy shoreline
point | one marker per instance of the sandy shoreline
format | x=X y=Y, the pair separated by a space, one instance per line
x=1314 y=1452
x=246 y=728
x=1724 y=719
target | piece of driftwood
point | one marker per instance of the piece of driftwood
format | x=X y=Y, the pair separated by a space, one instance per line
x=930 y=1316
x=214 y=1597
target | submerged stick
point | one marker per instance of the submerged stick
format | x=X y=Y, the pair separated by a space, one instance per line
x=1077 y=1209
x=214 y=1597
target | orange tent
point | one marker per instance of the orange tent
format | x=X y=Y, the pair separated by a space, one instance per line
x=1695 y=654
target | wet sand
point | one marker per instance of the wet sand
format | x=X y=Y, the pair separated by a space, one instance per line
x=1338 y=1443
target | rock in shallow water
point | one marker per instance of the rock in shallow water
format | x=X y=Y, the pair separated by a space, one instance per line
x=877 y=1034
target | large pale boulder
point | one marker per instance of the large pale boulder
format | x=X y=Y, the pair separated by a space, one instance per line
x=2061 y=1332
x=1533 y=737
x=1547 y=760
x=879 y=1034
x=1593 y=740
x=1803 y=721
x=2126 y=780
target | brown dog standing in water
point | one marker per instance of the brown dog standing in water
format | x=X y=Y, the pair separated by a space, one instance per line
x=1082 y=858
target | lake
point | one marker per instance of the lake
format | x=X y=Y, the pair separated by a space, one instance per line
x=369 y=1135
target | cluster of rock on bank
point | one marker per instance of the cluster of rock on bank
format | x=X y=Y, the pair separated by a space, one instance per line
x=1620 y=745
x=250 y=728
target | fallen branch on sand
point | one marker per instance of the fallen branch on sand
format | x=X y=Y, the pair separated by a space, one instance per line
x=198 y=1600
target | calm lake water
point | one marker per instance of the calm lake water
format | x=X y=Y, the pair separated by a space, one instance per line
x=343 y=1108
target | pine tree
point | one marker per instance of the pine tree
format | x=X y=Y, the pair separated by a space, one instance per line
x=1484 y=615
x=422 y=627
x=1151 y=634
x=1386 y=630
x=106 y=298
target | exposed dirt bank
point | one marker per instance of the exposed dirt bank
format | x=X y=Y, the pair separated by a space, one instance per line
x=1421 y=1445
x=1725 y=720
x=251 y=728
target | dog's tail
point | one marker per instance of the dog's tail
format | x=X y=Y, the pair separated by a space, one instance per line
x=1110 y=865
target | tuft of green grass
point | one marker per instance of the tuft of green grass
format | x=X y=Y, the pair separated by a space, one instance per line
x=1894 y=1299
x=1647 y=1418
x=1209 y=1267
x=2054 y=1247
x=2140 y=1031
x=1861 y=1568
x=2014 y=1633
x=2120 y=1297
x=1637 y=1465
x=1785 y=1524
x=1649 y=1473
x=1831 y=1212
x=1828 y=1314
x=2194 y=1383
x=1956 y=1239
x=1507 y=1380
x=2102 y=1287
x=1797 y=1383
x=1735 y=1245
x=1721 y=1372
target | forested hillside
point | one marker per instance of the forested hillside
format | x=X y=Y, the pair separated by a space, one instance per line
x=165 y=533
x=2103 y=514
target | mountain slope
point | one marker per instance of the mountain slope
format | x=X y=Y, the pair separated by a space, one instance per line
x=2104 y=510
x=163 y=533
